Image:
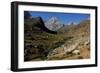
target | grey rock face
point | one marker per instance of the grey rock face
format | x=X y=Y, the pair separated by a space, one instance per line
x=53 y=24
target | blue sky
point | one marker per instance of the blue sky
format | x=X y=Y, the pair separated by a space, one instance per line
x=65 y=18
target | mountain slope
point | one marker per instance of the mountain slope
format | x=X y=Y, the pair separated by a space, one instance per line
x=38 y=40
x=76 y=48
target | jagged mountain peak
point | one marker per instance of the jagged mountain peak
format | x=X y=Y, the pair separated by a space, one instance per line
x=53 y=24
x=54 y=18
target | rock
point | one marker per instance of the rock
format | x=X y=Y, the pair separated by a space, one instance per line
x=76 y=52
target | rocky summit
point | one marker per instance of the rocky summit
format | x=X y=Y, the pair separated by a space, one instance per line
x=53 y=24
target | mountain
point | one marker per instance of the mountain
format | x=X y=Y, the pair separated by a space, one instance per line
x=53 y=24
x=37 y=22
x=41 y=44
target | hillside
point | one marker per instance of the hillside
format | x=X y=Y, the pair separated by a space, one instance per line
x=76 y=48
x=70 y=42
